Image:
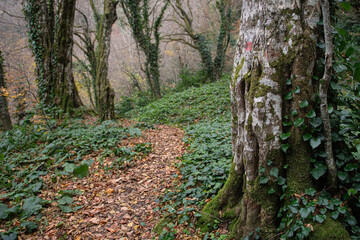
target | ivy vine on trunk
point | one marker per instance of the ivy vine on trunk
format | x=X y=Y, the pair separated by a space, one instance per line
x=273 y=104
x=50 y=28
x=147 y=37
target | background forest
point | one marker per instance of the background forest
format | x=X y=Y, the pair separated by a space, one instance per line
x=116 y=122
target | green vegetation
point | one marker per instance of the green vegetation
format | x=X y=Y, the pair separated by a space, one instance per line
x=205 y=114
x=30 y=154
x=189 y=106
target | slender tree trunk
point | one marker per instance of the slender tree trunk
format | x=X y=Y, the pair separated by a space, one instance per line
x=66 y=94
x=4 y=111
x=277 y=42
x=104 y=90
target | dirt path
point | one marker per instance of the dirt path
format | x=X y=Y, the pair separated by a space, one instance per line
x=117 y=204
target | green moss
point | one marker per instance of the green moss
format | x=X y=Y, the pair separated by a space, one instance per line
x=269 y=137
x=161 y=224
x=237 y=71
x=249 y=123
x=225 y=202
x=329 y=229
x=298 y=172
x=260 y=104
x=262 y=90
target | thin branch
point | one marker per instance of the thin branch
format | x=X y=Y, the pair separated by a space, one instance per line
x=323 y=89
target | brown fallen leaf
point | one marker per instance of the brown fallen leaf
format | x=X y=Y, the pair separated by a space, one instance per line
x=95 y=220
x=109 y=191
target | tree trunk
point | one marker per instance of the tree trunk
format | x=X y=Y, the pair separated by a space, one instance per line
x=50 y=35
x=277 y=42
x=104 y=90
x=66 y=94
x=4 y=111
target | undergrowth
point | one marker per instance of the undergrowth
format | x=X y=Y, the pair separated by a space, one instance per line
x=30 y=152
x=189 y=106
x=204 y=113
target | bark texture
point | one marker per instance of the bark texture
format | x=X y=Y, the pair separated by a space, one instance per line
x=50 y=27
x=4 y=111
x=277 y=42
x=104 y=92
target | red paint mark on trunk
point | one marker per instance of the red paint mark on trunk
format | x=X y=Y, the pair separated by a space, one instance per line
x=248 y=46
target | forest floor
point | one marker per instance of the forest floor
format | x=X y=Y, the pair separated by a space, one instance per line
x=117 y=203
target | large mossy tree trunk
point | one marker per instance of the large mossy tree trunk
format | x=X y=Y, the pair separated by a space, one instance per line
x=50 y=28
x=4 y=110
x=104 y=92
x=277 y=42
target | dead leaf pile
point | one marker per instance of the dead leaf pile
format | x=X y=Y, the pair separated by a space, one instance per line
x=117 y=203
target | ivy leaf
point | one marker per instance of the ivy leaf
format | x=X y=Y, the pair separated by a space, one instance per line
x=311 y=114
x=339 y=68
x=297 y=89
x=281 y=180
x=294 y=112
x=310 y=191
x=320 y=218
x=318 y=172
x=357 y=74
x=66 y=200
x=81 y=171
x=30 y=226
x=346 y=5
x=351 y=220
x=307 y=136
x=10 y=236
x=349 y=51
x=304 y=104
x=330 y=109
x=285 y=136
x=342 y=175
x=3 y=213
x=274 y=172
x=288 y=96
x=335 y=215
x=351 y=167
x=263 y=179
x=262 y=169
x=66 y=208
x=31 y=206
x=287 y=123
x=315 y=122
x=305 y=212
x=315 y=142
x=285 y=147
x=298 y=122
x=288 y=82
x=271 y=191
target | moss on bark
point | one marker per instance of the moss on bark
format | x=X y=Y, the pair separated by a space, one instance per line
x=329 y=229
x=226 y=203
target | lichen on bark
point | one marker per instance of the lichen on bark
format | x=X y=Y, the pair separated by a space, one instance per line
x=277 y=41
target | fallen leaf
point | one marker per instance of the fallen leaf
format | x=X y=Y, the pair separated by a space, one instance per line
x=95 y=220
x=109 y=191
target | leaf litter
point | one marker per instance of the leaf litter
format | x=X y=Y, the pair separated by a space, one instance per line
x=115 y=203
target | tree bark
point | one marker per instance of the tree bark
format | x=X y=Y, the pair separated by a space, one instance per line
x=50 y=28
x=277 y=42
x=4 y=111
x=104 y=92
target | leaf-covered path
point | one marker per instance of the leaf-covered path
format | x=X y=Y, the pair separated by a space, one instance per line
x=117 y=203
